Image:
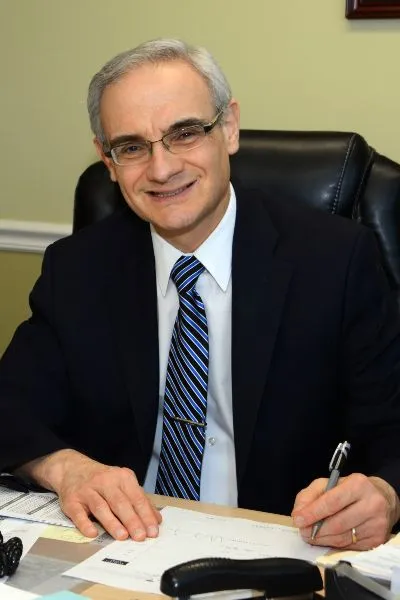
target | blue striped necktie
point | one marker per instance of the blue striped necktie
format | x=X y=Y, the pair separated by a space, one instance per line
x=185 y=399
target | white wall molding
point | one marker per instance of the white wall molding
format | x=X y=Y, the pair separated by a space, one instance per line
x=30 y=236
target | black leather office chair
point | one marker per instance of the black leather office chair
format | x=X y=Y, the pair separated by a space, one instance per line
x=336 y=172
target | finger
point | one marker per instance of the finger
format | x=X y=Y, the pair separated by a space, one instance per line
x=79 y=515
x=329 y=503
x=362 y=537
x=344 y=540
x=130 y=505
x=309 y=494
x=101 y=510
x=122 y=508
x=370 y=524
x=337 y=531
x=145 y=515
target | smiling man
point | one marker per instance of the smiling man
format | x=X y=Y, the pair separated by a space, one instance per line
x=194 y=342
x=179 y=183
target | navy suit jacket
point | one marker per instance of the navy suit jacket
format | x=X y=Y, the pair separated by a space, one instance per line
x=315 y=351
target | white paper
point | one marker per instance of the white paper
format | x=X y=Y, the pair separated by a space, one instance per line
x=395 y=582
x=10 y=593
x=42 y=508
x=187 y=535
x=26 y=530
x=379 y=562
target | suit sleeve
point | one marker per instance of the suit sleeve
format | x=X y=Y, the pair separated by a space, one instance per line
x=370 y=365
x=33 y=382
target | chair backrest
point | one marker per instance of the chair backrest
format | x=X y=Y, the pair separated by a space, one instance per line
x=337 y=172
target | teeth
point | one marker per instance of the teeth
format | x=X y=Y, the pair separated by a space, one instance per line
x=168 y=194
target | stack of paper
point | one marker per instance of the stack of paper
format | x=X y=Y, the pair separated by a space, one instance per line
x=379 y=562
x=187 y=535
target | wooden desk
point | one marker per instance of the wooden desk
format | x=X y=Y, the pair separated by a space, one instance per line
x=75 y=553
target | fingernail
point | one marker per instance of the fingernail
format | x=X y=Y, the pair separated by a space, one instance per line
x=152 y=531
x=299 y=521
x=139 y=534
x=121 y=534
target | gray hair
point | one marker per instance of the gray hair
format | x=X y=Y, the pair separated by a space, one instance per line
x=156 y=51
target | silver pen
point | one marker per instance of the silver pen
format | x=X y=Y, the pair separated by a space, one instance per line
x=338 y=459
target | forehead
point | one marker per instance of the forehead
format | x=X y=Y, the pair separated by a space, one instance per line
x=150 y=98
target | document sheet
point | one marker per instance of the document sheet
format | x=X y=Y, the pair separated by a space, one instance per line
x=187 y=535
x=42 y=508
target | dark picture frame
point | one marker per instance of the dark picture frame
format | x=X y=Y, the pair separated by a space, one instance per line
x=373 y=9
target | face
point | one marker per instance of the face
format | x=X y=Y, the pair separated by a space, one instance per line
x=183 y=195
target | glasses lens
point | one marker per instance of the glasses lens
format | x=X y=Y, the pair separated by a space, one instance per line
x=185 y=138
x=129 y=153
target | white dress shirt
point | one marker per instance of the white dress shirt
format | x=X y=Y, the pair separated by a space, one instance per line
x=218 y=474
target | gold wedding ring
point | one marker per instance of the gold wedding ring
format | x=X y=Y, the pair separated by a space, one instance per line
x=353 y=535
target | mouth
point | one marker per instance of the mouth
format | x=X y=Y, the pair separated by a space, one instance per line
x=171 y=193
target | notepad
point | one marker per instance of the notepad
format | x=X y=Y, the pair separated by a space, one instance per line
x=379 y=562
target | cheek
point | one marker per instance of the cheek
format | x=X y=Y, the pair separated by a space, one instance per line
x=219 y=169
x=129 y=181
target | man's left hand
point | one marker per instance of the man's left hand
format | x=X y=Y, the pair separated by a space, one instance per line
x=358 y=513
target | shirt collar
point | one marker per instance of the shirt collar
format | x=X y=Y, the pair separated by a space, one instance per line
x=215 y=253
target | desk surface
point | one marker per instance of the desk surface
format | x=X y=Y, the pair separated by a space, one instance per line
x=55 y=550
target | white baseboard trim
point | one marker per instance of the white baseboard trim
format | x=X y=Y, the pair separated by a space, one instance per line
x=30 y=236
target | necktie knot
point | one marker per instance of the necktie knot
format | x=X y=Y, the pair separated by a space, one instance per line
x=185 y=273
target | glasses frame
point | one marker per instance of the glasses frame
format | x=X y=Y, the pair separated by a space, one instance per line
x=207 y=128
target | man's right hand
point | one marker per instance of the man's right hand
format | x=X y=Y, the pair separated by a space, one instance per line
x=112 y=495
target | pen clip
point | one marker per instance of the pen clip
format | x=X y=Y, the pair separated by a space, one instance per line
x=339 y=456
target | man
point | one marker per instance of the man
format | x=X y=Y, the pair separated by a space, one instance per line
x=286 y=340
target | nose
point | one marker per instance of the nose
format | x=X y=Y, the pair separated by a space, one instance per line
x=163 y=164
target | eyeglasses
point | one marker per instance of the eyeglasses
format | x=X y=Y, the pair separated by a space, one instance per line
x=177 y=141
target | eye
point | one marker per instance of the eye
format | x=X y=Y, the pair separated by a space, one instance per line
x=186 y=135
x=130 y=149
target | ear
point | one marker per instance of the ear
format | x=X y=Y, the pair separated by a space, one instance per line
x=107 y=161
x=230 y=126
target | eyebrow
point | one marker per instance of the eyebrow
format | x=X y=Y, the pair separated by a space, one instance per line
x=134 y=137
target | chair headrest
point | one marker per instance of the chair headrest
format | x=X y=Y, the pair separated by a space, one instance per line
x=324 y=169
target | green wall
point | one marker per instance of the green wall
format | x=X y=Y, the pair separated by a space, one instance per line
x=18 y=273
x=297 y=64
x=293 y=65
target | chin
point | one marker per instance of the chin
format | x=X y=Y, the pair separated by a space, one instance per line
x=175 y=226
x=180 y=227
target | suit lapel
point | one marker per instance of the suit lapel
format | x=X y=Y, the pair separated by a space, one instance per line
x=259 y=285
x=133 y=307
